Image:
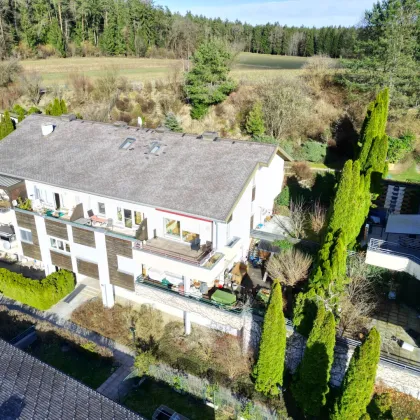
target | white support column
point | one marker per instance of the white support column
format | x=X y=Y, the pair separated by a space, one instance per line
x=44 y=244
x=187 y=320
x=107 y=288
x=187 y=323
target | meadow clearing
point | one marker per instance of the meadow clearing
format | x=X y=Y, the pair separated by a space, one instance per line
x=56 y=71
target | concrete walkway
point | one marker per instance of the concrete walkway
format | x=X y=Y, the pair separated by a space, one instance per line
x=114 y=387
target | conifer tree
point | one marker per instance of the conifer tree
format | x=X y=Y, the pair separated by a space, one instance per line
x=310 y=385
x=6 y=125
x=269 y=369
x=63 y=106
x=255 y=121
x=357 y=387
x=208 y=82
x=374 y=126
x=172 y=123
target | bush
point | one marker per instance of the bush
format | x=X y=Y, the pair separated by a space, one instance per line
x=9 y=70
x=313 y=151
x=302 y=170
x=143 y=361
x=283 y=199
x=380 y=408
x=399 y=148
x=41 y=294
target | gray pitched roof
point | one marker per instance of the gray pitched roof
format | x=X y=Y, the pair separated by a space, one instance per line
x=188 y=175
x=7 y=182
x=32 y=390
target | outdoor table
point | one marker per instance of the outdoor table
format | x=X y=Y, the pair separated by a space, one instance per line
x=84 y=221
x=225 y=298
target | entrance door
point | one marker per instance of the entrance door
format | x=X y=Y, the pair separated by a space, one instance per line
x=57 y=201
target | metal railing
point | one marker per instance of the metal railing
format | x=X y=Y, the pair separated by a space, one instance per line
x=144 y=281
x=392 y=248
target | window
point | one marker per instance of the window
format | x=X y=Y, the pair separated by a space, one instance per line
x=26 y=236
x=138 y=218
x=127 y=143
x=253 y=192
x=119 y=214
x=101 y=208
x=59 y=245
x=189 y=236
x=128 y=222
x=173 y=228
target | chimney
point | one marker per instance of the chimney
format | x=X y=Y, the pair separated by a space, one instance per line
x=47 y=129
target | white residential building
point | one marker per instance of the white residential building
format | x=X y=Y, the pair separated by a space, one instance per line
x=154 y=216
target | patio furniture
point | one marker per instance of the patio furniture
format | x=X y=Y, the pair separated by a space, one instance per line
x=195 y=244
x=90 y=213
x=110 y=224
x=99 y=220
x=84 y=221
x=224 y=298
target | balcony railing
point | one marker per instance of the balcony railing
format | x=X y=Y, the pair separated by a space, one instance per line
x=205 y=257
x=235 y=308
x=393 y=248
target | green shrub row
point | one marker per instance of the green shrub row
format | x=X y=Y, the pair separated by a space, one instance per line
x=41 y=294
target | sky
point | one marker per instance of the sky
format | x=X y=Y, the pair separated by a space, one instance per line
x=287 y=12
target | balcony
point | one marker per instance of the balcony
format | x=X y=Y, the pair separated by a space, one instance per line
x=398 y=256
x=204 y=256
x=195 y=295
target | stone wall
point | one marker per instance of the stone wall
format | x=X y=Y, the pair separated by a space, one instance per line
x=387 y=374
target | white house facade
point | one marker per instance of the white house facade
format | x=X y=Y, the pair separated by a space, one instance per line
x=156 y=217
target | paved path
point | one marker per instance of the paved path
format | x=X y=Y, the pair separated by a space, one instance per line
x=114 y=387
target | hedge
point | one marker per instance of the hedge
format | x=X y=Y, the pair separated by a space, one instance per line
x=41 y=294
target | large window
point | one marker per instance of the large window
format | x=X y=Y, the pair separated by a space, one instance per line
x=189 y=236
x=59 y=245
x=138 y=218
x=26 y=236
x=101 y=208
x=173 y=228
x=128 y=221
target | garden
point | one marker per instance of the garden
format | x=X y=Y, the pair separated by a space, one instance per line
x=71 y=354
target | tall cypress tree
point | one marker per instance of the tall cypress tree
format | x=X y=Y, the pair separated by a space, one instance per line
x=269 y=369
x=357 y=387
x=374 y=126
x=310 y=385
x=6 y=125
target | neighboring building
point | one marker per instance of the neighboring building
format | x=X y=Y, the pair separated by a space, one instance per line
x=137 y=208
x=31 y=389
x=394 y=238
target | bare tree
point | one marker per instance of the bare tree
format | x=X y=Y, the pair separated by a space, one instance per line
x=317 y=69
x=31 y=83
x=295 y=224
x=359 y=300
x=285 y=104
x=290 y=267
x=9 y=70
x=317 y=217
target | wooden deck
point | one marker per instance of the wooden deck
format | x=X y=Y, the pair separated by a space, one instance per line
x=176 y=250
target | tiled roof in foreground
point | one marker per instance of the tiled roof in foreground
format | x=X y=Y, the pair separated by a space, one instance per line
x=33 y=390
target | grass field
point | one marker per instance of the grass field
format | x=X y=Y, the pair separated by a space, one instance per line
x=409 y=174
x=56 y=71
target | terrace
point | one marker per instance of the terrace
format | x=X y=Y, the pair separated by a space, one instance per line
x=202 y=255
x=233 y=305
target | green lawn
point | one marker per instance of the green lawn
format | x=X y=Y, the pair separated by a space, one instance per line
x=10 y=326
x=259 y=61
x=151 y=394
x=410 y=174
x=83 y=365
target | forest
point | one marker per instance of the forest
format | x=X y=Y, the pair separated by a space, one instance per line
x=42 y=28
